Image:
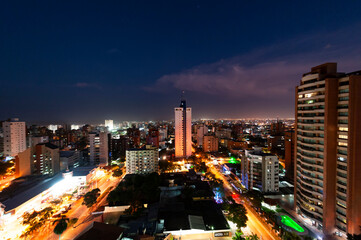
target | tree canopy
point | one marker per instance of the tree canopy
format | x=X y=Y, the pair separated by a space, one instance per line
x=237 y=214
x=36 y=220
x=136 y=190
x=117 y=172
x=90 y=198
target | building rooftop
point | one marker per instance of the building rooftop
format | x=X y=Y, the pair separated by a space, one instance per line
x=203 y=215
x=101 y=231
x=49 y=145
x=22 y=197
x=82 y=171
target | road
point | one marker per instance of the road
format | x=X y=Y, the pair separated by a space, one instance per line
x=85 y=216
x=254 y=224
x=13 y=227
x=5 y=182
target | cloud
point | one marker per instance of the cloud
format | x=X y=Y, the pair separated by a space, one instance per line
x=230 y=78
x=267 y=73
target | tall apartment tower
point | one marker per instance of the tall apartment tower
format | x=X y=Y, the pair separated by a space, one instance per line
x=183 y=130
x=328 y=149
x=98 y=148
x=14 y=137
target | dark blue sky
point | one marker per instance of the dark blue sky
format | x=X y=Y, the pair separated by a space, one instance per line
x=85 y=61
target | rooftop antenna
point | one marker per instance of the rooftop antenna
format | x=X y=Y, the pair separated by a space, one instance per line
x=183 y=101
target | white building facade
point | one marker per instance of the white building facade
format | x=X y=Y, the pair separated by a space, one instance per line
x=14 y=137
x=260 y=171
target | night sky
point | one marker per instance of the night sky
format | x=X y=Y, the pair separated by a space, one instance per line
x=86 y=61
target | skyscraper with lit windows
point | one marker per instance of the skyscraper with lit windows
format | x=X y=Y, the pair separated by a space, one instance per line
x=328 y=149
x=183 y=130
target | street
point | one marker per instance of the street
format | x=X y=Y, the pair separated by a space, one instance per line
x=254 y=224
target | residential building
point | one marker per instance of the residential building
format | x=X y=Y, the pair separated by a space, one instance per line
x=134 y=137
x=260 y=171
x=153 y=137
x=14 y=137
x=210 y=143
x=69 y=159
x=163 y=134
x=98 y=148
x=225 y=133
x=23 y=163
x=183 y=130
x=46 y=159
x=34 y=140
x=201 y=131
x=118 y=147
x=328 y=152
x=142 y=161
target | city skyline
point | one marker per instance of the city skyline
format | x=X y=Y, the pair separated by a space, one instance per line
x=132 y=60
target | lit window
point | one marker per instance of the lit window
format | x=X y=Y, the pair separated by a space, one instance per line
x=343 y=136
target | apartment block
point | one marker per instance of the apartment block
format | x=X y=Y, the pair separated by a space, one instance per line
x=260 y=171
x=14 y=137
x=210 y=143
x=98 y=148
x=142 y=161
x=328 y=149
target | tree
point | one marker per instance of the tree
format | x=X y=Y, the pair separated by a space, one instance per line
x=238 y=235
x=90 y=198
x=256 y=197
x=353 y=236
x=36 y=220
x=5 y=167
x=252 y=237
x=61 y=226
x=117 y=172
x=290 y=236
x=307 y=238
x=237 y=214
x=72 y=222
x=165 y=165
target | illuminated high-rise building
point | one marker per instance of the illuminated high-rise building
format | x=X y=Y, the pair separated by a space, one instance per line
x=14 y=137
x=98 y=148
x=328 y=152
x=183 y=130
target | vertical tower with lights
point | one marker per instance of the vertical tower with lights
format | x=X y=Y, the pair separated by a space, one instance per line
x=183 y=130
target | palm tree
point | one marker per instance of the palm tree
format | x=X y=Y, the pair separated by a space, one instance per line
x=61 y=225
